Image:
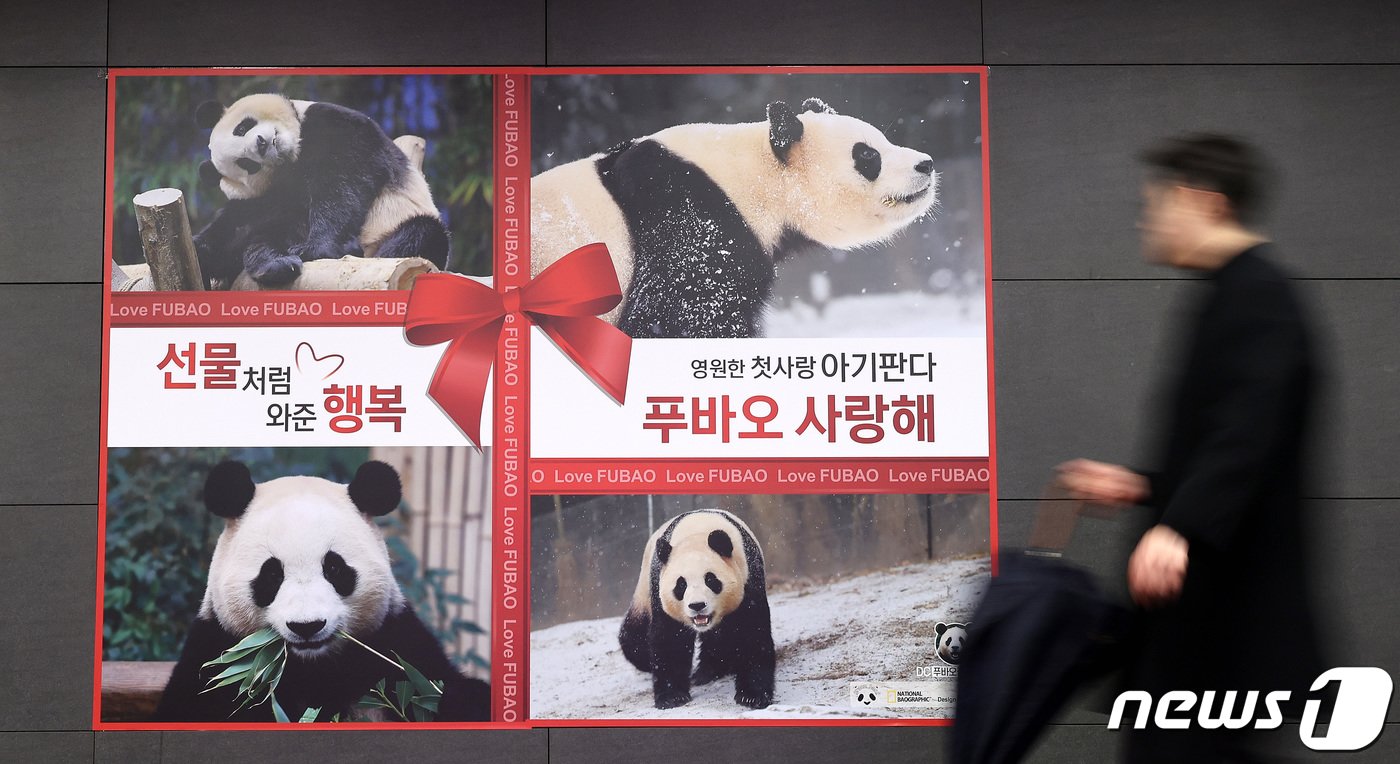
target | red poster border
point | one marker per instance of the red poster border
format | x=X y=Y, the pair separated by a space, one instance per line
x=500 y=473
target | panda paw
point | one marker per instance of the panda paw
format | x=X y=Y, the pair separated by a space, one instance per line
x=276 y=271
x=672 y=700
x=753 y=699
x=321 y=250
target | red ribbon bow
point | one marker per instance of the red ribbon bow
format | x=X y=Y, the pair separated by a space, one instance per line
x=564 y=301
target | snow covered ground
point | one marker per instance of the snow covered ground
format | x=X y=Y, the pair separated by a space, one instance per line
x=873 y=627
x=899 y=314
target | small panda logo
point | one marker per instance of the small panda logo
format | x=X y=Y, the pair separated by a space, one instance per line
x=866 y=695
x=952 y=638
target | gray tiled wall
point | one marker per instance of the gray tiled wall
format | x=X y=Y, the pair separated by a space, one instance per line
x=1075 y=91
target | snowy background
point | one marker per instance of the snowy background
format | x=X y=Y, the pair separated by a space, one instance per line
x=867 y=628
x=856 y=583
x=927 y=281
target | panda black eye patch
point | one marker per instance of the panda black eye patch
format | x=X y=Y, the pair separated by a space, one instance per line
x=243 y=127
x=712 y=581
x=341 y=575
x=267 y=583
x=867 y=160
x=679 y=591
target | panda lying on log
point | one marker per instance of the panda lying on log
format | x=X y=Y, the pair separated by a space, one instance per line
x=696 y=215
x=309 y=181
x=302 y=555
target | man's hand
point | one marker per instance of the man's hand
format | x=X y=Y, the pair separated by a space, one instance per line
x=1089 y=480
x=1157 y=568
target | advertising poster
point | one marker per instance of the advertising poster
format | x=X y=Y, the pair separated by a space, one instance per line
x=447 y=397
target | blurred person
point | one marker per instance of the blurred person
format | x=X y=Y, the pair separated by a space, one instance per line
x=1221 y=576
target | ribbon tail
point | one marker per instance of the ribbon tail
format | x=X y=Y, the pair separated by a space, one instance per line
x=601 y=350
x=459 y=383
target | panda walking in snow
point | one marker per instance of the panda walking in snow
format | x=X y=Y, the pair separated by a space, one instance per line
x=309 y=181
x=696 y=215
x=702 y=577
x=302 y=555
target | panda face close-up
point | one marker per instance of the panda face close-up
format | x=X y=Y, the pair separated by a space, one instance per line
x=304 y=561
x=858 y=186
x=251 y=139
x=952 y=638
x=699 y=582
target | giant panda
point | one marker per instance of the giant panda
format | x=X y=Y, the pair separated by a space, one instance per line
x=696 y=215
x=302 y=555
x=702 y=576
x=306 y=181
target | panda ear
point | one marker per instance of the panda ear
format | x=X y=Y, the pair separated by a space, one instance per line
x=663 y=550
x=784 y=129
x=229 y=489
x=207 y=114
x=940 y=628
x=721 y=543
x=376 y=489
x=817 y=105
x=208 y=173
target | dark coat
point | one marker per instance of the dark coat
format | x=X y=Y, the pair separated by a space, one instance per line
x=1232 y=469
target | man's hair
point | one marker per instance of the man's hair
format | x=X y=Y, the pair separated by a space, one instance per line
x=1213 y=162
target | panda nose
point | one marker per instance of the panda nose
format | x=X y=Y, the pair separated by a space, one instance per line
x=306 y=629
x=697 y=606
x=262 y=146
x=925 y=167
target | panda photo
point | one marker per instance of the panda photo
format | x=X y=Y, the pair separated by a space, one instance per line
x=308 y=181
x=697 y=215
x=951 y=638
x=303 y=556
x=702 y=578
x=841 y=599
x=776 y=205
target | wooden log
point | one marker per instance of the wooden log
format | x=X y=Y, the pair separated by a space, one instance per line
x=132 y=278
x=165 y=238
x=350 y=273
x=131 y=690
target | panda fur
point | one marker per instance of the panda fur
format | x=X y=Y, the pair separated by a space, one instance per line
x=702 y=576
x=696 y=215
x=951 y=640
x=309 y=181
x=303 y=555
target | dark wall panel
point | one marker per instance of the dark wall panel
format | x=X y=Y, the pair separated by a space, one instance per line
x=126 y=748
x=45 y=746
x=1191 y=31
x=1080 y=365
x=1066 y=180
x=631 y=33
x=689 y=745
x=52 y=124
x=48 y=559
x=50 y=366
x=40 y=33
x=329 y=33
x=358 y=747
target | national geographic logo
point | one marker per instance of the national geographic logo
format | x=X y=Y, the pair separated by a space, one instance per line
x=902 y=695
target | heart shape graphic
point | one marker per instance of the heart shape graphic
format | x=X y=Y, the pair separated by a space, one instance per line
x=317 y=362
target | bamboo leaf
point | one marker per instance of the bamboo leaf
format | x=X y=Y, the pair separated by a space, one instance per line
x=420 y=683
x=310 y=715
x=278 y=713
